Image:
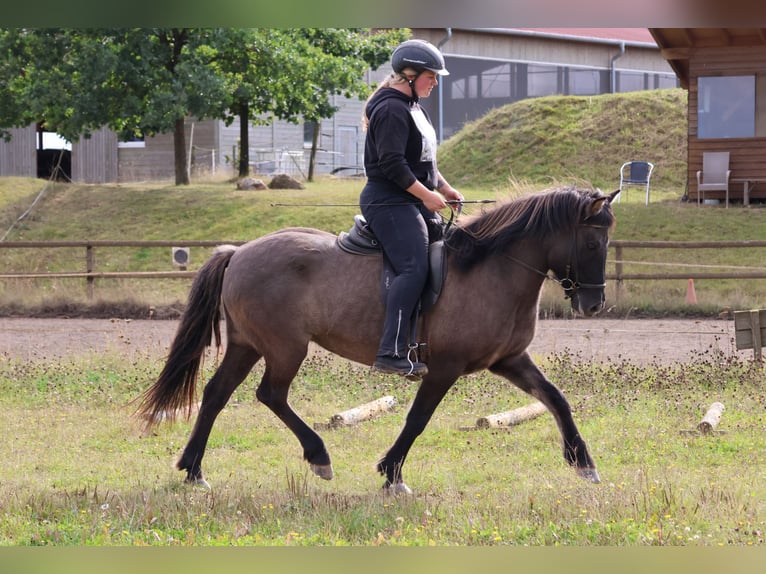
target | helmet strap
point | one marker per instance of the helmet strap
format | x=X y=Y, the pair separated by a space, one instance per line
x=415 y=97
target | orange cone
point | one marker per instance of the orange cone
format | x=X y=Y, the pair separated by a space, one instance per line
x=691 y=296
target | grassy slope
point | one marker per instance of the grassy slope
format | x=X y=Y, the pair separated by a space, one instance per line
x=580 y=138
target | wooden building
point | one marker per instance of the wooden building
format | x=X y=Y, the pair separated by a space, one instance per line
x=724 y=70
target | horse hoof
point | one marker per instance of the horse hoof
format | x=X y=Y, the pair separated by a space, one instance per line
x=398 y=488
x=199 y=483
x=322 y=471
x=590 y=474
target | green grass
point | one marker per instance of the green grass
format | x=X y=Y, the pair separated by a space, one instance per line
x=574 y=138
x=79 y=472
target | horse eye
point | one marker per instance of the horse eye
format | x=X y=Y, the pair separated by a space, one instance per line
x=592 y=245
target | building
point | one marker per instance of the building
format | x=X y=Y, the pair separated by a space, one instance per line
x=724 y=71
x=489 y=67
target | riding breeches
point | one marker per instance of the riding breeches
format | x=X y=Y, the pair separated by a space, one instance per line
x=403 y=234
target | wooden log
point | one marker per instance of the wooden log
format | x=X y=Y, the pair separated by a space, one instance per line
x=363 y=412
x=512 y=417
x=711 y=419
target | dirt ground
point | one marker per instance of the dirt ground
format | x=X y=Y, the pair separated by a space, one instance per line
x=637 y=340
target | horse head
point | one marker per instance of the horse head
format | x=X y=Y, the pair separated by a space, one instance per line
x=582 y=273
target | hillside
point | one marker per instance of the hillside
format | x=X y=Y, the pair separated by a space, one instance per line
x=561 y=138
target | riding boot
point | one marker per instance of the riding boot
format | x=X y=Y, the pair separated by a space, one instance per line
x=392 y=358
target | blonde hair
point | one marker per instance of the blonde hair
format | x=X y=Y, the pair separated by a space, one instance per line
x=392 y=79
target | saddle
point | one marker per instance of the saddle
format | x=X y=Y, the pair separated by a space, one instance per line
x=360 y=240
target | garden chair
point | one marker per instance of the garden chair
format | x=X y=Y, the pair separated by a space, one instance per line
x=635 y=173
x=714 y=175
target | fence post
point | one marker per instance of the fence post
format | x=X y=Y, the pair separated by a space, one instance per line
x=90 y=264
x=618 y=273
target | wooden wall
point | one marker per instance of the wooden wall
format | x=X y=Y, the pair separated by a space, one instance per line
x=94 y=160
x=747 y=155
x=18 y=157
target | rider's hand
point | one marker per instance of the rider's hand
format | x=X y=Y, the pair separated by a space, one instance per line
x=452 y=194
x=434 y=201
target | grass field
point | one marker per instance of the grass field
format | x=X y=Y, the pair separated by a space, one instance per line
x=79 y=472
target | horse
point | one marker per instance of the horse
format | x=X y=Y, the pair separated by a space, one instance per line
x=282 y=291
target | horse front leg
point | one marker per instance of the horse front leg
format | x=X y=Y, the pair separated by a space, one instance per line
x=523 y=372
x=234 y=368
x=428 y=397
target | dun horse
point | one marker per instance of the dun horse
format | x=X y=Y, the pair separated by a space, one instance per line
x=296 y=286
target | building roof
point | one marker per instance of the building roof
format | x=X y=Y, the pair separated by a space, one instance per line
x=677 y=44
x=632 y=35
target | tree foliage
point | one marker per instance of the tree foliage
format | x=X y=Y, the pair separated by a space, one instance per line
x=147 y=81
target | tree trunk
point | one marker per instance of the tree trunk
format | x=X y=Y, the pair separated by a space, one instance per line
x=179 y=152
x=314 y=145
x=244 y=139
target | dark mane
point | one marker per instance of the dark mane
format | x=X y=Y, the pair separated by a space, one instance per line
x=535 y=215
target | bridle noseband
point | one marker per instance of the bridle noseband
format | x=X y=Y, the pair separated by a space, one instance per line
x=568 y=284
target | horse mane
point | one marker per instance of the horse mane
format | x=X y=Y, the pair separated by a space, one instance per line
x=531 y=216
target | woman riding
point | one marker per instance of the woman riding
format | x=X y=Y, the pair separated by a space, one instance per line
x=403 y=189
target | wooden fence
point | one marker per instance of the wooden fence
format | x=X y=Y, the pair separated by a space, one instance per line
x=90 y=273
x=619 y=262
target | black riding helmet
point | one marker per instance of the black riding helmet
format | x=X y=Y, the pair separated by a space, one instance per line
x=418 y=55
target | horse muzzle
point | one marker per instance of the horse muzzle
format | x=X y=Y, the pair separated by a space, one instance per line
x=587 y=299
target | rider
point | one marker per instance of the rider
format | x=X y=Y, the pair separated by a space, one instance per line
x=400 y=164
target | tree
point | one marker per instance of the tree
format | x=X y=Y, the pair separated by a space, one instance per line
x=149 y=81
x=170 y=75
x=290 y=74
x=135 y=81
x=349 y=52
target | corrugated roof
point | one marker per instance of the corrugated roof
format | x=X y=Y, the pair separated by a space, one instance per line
x=638 y=35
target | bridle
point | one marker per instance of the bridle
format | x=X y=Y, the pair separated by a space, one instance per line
x=569 y=284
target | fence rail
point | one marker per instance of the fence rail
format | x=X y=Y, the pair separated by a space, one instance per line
x=90 y=274
x=619 y=247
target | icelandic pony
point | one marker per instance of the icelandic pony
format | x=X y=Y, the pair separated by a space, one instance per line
x=297 y=286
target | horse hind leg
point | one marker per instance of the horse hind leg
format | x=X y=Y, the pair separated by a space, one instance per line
x=234 y=368
x=273 y=392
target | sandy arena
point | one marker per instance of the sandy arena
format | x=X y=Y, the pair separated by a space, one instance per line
x=636 y=340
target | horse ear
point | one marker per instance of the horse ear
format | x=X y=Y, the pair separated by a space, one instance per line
x=596 y=206
x=598 y=203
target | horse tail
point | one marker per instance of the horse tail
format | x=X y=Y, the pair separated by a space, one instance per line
x=175 y=390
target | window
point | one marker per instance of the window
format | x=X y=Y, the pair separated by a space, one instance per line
x=542 y=80
x=726 y=107
x=496 y=82
x=465 y=88
x=631 y=81
x=584 y=82
x=308 y=134
x=133 y=139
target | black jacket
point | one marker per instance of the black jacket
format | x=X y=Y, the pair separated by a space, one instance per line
x=394 y=146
